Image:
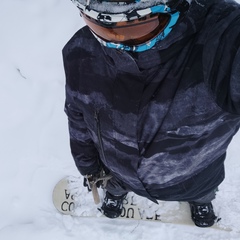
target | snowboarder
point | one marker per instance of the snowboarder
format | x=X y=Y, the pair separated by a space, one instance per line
x=153 y=98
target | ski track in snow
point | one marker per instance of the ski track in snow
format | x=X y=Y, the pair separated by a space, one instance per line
x=34 y=137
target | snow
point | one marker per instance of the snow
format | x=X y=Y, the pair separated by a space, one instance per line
x=34 y=140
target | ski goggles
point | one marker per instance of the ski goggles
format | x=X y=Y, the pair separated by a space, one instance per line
x=131 y=28
x=131 y=32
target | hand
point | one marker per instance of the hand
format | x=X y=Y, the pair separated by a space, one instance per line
x=92 y=179
x=85 y=184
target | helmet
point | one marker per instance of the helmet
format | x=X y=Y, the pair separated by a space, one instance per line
x=131 y=25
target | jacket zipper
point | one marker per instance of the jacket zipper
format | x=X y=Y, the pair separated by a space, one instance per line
x=99 y=135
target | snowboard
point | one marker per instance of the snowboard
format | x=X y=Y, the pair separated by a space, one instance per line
x=71 y=198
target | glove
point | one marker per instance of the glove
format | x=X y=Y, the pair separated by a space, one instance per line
x=90 y=180
x=85 y=184
x=94 y=181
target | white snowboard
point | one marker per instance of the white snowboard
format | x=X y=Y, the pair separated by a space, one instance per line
x=70 y=198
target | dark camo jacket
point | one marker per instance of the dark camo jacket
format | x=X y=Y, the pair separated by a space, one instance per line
x=159 y=120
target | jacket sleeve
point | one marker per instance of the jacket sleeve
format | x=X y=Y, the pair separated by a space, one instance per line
x=228 y=84
x=83 y=150
x=235 y=82
x=82 y=147
x=222 y=61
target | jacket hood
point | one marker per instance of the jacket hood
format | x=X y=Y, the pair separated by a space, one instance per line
x=189 y=24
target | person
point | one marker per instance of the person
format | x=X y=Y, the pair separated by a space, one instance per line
x=153 y=98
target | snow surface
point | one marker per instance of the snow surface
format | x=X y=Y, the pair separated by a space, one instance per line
x=34 y=137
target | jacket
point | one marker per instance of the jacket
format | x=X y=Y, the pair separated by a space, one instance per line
x=161 y=120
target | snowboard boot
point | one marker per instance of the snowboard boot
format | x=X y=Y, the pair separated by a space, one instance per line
x=202 y=214
x=112 y=205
